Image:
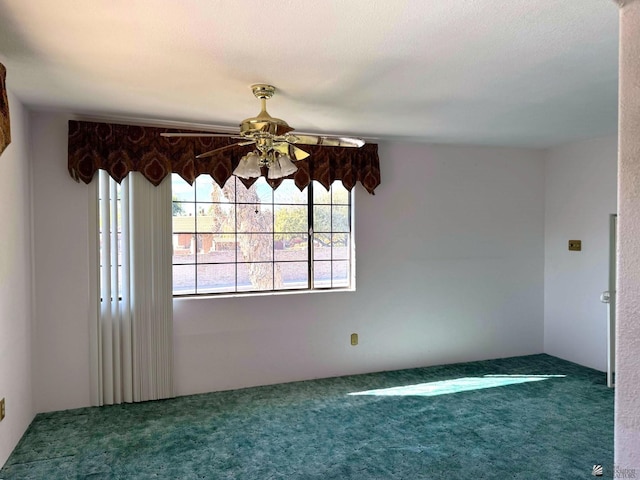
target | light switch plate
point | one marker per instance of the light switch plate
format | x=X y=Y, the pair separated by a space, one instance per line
x=575 y=245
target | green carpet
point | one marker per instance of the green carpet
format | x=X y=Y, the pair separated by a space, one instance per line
x=533 y=417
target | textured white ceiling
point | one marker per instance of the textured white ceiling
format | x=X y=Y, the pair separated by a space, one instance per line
x=500 y=72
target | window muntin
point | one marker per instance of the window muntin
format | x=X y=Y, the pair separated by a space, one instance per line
x=234 y=239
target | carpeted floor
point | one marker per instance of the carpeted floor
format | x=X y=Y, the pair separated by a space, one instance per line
x=533 y=417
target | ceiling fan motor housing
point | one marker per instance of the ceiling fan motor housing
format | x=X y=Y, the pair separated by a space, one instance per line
x=263 y=123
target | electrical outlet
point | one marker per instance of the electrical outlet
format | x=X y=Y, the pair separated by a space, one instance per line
x=354 y=339
x=2 y=410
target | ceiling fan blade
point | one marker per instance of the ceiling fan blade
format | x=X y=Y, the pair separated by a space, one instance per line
x=217 y=150
x=289 y=149
x=326 y=141
x=176 y=134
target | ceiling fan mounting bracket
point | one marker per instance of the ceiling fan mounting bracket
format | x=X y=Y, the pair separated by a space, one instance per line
x=263 y=91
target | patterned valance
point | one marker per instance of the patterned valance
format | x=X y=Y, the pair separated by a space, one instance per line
x=120 y=149
x=5 y=124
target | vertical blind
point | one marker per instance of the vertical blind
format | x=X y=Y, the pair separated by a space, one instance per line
x=132 y=340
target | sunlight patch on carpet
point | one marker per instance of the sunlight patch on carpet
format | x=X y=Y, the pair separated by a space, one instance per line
x=455 y=385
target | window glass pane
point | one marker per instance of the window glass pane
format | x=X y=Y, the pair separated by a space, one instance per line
x=291 y=247
x=119 y=235
x=217 y=217
x=340 y=219
x=184 y=279
x=244 y=280
x=339 y=194
x=322 y=246
x=254 y=218
x=119 y=281
x=183 y=248
x=255 y=277
x=102 y=253
x=183 y=209
x=340 y=246
x=204 y=243
x=217 y=278
x=184 y=224
x=322 y=218
x=119 y=212
x=226 y=194
x=291 y=218
x=292 y=275
x=320 y=194
x=255 y=247
x=224 y=247
x=340 y=274
x=288 y=192
x=204 y=223
x=204 y=188
x=259 y=192
x=322 y=274
x=181 y=190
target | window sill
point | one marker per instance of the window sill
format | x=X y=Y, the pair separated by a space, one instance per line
x=262 y=294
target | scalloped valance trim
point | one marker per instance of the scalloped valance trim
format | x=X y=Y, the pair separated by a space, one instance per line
x=120 y=149
x=5 y=120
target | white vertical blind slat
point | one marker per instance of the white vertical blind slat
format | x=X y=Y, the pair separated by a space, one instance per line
x=115 y=293
x=125 y=352
x=105 y=292
x=95 y=366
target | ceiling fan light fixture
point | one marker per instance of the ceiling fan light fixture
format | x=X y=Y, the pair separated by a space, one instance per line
x=274 y=170
x=249 y=166
x=286 y=165
x=279 y=165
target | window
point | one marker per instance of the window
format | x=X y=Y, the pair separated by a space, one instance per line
x=110 y=232
x=237 y=239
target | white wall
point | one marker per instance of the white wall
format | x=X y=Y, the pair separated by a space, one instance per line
x=60 y=218
x=15 y=283
x=449 y=266
x=580 y=182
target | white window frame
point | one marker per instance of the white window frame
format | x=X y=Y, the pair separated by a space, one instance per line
x=311 y=286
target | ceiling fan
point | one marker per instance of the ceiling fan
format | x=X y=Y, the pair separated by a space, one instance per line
x=276 y=145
